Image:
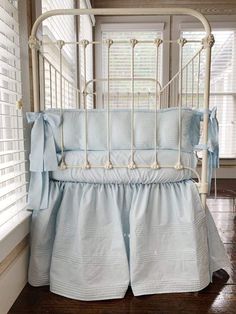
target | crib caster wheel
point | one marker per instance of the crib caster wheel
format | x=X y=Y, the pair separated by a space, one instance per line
x=155 y=165
x=86 y=165
x=108 y=165
x=62 y=165
x=179 y=166
x=132 y=165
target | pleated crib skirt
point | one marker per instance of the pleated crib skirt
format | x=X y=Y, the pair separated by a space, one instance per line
x=94 y=240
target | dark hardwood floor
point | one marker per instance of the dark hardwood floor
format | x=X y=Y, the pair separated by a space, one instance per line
x=218 y=297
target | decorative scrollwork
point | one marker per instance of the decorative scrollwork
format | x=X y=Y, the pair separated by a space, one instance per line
x=33 y=42
x=158 y=42
x=86 y=165
x=208 y=41
x=182 y=41
x=155 y=166
x=108 y=165
x=109 y=42
x=84 y=43
x=132 y=165
x=133 y=42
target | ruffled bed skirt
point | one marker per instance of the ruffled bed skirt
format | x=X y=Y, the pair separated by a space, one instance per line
x=94 y=240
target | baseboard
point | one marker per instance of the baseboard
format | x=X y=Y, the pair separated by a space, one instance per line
x=13 y=280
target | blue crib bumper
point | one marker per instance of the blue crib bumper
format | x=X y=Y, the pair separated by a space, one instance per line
x=44 y=149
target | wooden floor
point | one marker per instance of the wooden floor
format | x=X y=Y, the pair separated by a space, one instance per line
x=218 y=297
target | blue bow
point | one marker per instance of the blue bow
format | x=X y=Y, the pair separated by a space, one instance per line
x=213 y=138
x=213 y=144
x=43 y=157
x=43 y=150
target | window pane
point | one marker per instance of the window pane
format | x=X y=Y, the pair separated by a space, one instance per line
x=223 y=84
x=86 y=33
x=120 y=67
x=12 y=155
x=58 y=28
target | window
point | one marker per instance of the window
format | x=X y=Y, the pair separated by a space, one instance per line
x=12 y=153
x=120 y=64
x=50 y=64
x=50 y=57
x=223 y=84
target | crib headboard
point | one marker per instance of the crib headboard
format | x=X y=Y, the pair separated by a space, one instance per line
x=175 y=91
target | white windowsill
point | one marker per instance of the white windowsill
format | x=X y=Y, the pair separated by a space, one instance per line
x=13 y=232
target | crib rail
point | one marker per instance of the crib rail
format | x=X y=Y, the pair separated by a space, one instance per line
x=176 y=91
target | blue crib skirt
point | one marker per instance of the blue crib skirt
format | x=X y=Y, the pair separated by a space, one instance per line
x=94 y=240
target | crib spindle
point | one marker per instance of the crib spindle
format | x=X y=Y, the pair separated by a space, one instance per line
x=85 y=43
x=62 y=162
x=108 y=164
x=157 y=43
x=182 y=42
x=193 y=68
x=198 y=78
x=132 y=164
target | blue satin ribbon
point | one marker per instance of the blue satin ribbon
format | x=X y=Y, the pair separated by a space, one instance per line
x=212 y=144
x=43 y=157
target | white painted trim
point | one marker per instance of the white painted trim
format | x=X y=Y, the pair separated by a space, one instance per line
x=13 y=280
x=215 y=25
x=13 y=232
x=92 y=17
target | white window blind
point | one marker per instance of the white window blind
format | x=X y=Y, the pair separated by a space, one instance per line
x=120 y=66
x=12 y=154
x=58 y=28
x=223 y=83
x=86 y=32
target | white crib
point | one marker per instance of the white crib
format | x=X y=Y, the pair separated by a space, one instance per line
x=112 y=191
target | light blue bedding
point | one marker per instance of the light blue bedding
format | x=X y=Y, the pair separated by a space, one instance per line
x=125 y=175
x=94 y=240
x=120 y=131
x=46 y=138
x=96 y=231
